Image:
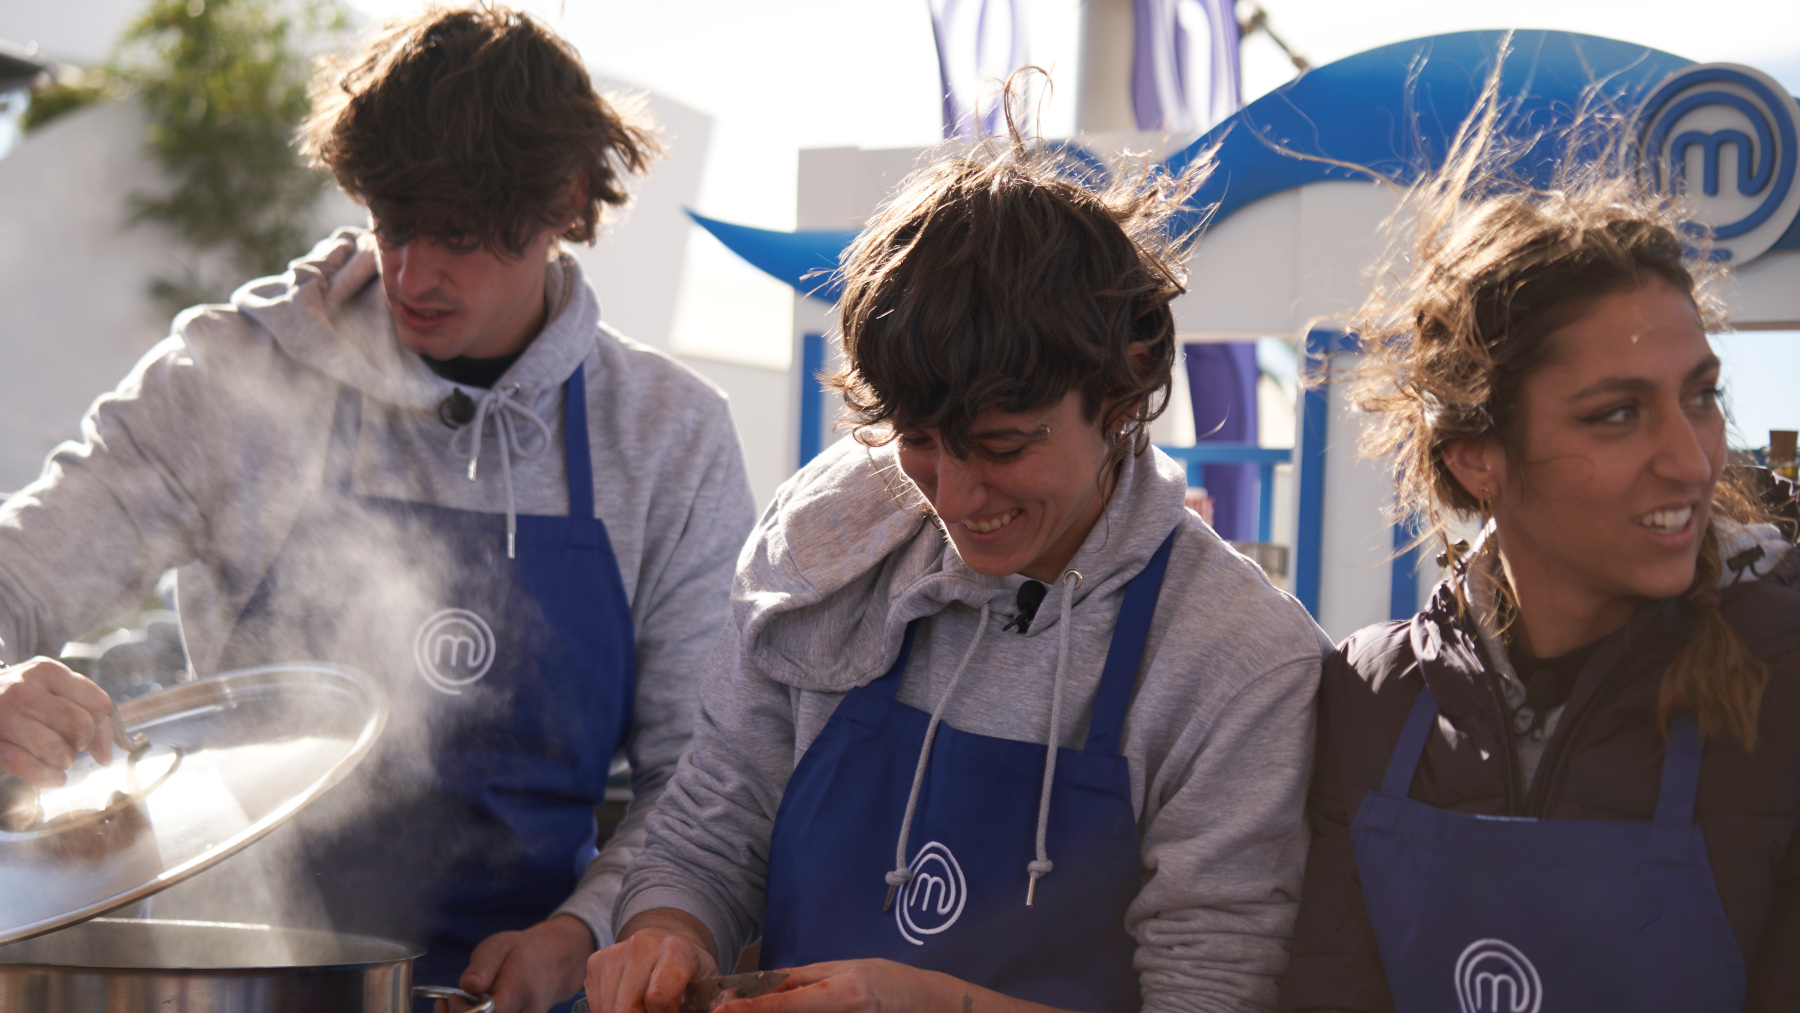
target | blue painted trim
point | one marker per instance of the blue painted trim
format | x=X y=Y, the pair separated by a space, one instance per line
x=1403 y=589
x=1265 y=458
x=812 y=396
x=1309 y=527
x=1265 y=503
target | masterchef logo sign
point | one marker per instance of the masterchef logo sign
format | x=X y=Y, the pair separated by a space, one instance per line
x=1493 y=976
x=453 y=648
x=933 y=899
x=1726 y=138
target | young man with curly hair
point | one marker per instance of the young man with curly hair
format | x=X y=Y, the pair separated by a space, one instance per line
x=419 y=453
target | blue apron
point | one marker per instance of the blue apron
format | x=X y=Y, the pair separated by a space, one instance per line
x=975 y=830
x=521 y=671
x=1486 y=914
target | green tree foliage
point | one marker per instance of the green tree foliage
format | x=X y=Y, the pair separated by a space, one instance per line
x=58 y=98
x=224 y=85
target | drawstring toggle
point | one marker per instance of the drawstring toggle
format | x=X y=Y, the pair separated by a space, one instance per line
x=1036 y=869
x=895 y=880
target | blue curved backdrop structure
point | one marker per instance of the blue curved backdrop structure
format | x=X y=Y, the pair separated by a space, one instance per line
x=1393 y=110
x=807 y=260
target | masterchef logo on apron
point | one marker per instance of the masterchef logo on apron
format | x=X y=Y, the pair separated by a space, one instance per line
x=454 y=648
x=1492 y=976
x=933 y=899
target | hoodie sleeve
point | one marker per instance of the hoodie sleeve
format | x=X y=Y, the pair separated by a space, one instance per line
x=138 y=493
x=1224 y=850
x=708 y=846
x=680 y=608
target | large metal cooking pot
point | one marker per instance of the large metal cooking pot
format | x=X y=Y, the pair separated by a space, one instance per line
x=124 y=965
x=210 y=767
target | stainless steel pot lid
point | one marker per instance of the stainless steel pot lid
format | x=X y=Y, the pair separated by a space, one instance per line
x=229 y=759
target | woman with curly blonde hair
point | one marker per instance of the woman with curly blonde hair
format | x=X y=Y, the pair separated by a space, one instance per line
x=1571 y=780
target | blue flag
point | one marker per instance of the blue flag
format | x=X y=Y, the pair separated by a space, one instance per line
x=1184 y=74
x=979 y=43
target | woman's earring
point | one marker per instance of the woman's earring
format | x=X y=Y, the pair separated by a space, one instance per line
x=1486 y=500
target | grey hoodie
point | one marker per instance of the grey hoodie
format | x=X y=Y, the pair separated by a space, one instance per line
x=1218 y=738
x=204 y=455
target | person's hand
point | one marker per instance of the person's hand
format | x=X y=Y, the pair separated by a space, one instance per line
x=48 y=715
x=529 y=971
x=646 y=971
x=859 y=986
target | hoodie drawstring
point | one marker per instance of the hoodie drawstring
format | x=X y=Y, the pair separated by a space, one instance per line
x=496 y=404
x=1043 y=864
x=902 y=873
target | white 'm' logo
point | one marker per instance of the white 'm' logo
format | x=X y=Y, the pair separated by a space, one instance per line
x=933 y=899
x=454 y=648
x=1727 y=139
x=1492 y=976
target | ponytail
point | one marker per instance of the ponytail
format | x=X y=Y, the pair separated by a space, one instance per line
x=1714 y=674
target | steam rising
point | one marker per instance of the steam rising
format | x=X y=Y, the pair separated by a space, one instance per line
x=388 y=577
x=357 y=579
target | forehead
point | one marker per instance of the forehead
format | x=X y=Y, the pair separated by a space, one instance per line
x=1652 y=332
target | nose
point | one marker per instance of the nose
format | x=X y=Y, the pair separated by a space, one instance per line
x=417 y=268
x=1687 y=449
x=960 y=489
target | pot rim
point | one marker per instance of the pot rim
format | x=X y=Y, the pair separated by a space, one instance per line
x=403 y=952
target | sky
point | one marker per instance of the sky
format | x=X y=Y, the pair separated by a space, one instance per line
x=777 y=76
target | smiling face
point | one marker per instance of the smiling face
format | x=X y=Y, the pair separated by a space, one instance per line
x=1622 y=441
x=449 y=302
x=1026 y=498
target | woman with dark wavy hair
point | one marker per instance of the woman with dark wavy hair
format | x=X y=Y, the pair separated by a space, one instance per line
x=1570 y=782
x=997 y=723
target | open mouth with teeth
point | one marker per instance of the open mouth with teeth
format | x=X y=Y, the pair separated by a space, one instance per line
x=1667 y=522
x=991 y=524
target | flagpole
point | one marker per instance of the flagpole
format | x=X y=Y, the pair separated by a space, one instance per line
x=1103 y=89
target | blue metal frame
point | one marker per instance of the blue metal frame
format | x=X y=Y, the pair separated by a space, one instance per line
x=1309 y=534
x=1403 y=591
x=812 y=396
x=1309 y=527
x=1265 y=458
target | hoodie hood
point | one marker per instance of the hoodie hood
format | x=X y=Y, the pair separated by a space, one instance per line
x=850 y=552
x=328 y=312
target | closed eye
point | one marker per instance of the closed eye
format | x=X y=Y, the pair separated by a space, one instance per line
x=1002 y=456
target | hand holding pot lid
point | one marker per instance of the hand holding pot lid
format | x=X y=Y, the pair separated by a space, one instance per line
x=48 y=716
x=229 y=758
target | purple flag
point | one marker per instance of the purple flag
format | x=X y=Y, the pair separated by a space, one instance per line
x=1184 y=73
x=979 y=43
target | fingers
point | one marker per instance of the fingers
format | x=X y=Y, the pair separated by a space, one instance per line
x=485 y=963
x=669 y=979
x=618 y=975
x=20 y=763
x=61 y=680
x=47 y=729
x=52 y=714
x=814 y=997
x=648 y=972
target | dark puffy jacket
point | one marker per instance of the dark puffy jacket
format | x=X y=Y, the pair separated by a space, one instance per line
x=1602 y=763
